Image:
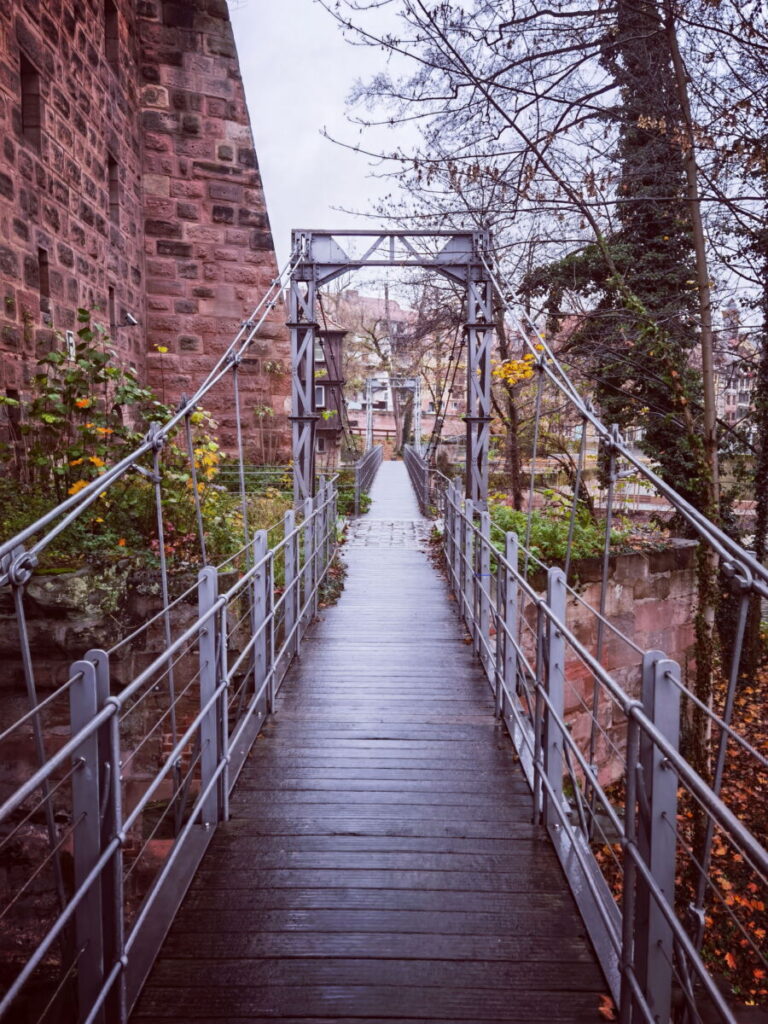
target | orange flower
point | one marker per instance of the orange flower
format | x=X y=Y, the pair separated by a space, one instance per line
x=83 y=403
x=121 y=542
x=78 y=485
x=76 y=462
x=104 y=430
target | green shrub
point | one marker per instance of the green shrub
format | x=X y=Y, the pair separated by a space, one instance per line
x=549 y=532
x=85 y=413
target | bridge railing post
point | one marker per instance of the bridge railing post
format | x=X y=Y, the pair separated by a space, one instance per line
x=309 y=564
x=261 y=597
x=86 y=839
x=656 y=834
x=553 y=740
x=467 y=565
x=484 y=592
x=457 y=544
x=448 y=525
x=110 y=787
x=290 y=550
x=208 y=587
x=507 y=624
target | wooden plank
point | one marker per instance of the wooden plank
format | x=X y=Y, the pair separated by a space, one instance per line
x=369 y=971
x=524 y=949
x=392 y=1001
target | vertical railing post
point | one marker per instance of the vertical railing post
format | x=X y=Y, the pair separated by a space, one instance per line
x=357 y=489
x=208 y=587
x=507 y=611
x=484 y=590
x=656 y=833
x=317 y=541
x=309 y=529
x=458 y=520
x=555 y=688
x=289 y=584
x=260 y=610
x=222 y=713
x=448 y=537
x=110 y=787
x=86 y=838
x=467 y=570
x=512 y=609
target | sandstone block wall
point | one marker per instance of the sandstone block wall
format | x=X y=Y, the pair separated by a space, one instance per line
x=208 y=246
x=651 y=600
x=129 y=184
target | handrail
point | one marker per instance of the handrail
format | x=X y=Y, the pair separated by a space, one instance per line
x=629 y=802
x=220 y=713
x=366 y=468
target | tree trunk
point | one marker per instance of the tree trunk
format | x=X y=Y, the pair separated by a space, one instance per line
x=511 y=418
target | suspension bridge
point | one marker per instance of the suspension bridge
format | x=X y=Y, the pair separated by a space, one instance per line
x=437 y=799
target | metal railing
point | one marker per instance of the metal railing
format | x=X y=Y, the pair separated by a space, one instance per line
x=135 y=802
x=618 y=822
x=366 y=468
x=116 y=769
x=419 y=474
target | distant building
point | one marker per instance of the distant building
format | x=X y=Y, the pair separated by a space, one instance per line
x=383 y=345
x=129 y=185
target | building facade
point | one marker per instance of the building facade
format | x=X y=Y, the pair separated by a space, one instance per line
x=129 y=186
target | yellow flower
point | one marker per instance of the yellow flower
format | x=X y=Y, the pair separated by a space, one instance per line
x=97 y=461
x=98 y=519
x=161 y=348
x=78 y=485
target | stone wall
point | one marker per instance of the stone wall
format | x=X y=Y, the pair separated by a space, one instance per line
x=129 y=184
x=54 y=179
x=209 y=252
x=650 y=599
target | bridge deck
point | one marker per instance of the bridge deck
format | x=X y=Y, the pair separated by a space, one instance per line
x=380 y=863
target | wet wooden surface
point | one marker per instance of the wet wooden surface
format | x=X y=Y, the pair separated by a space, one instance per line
x=380 y=863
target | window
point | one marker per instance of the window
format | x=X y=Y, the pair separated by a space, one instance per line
x=44 y=277
x=319 y=396
x=111 y=307
x=321 y=444
x=111 y=34
x=31 y=102
x=113 y=180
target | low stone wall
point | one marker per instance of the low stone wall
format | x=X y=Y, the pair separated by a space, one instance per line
x=650 y=599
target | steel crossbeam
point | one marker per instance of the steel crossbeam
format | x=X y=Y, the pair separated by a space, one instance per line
x=460 y=256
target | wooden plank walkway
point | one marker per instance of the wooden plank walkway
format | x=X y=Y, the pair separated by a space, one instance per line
x=379 y=864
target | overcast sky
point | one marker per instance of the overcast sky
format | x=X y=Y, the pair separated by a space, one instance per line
x=298 y=71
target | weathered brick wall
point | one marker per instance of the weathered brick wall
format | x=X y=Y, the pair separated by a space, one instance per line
x=54 y=191
x=209 y=252
x=651 y=600
x=151 y=98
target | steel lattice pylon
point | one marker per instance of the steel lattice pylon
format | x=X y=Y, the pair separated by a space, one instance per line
x=457 y=255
